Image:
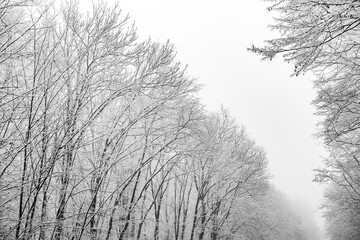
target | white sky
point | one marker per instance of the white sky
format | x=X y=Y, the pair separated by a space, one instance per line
x=211 y=37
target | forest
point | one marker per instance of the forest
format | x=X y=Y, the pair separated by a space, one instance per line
x=103 y=135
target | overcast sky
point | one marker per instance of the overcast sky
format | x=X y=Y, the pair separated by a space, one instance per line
x=211 y=37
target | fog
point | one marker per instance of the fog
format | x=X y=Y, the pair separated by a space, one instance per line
x=212 y=37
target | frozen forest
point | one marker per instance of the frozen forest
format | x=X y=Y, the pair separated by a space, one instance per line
x=103 y=134
x=322 y=37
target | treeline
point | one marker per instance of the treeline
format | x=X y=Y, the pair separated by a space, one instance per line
x=323 y=36
x=102 y=137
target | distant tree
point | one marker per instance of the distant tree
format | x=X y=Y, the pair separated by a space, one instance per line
x=228 y=166
x=269 y=216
